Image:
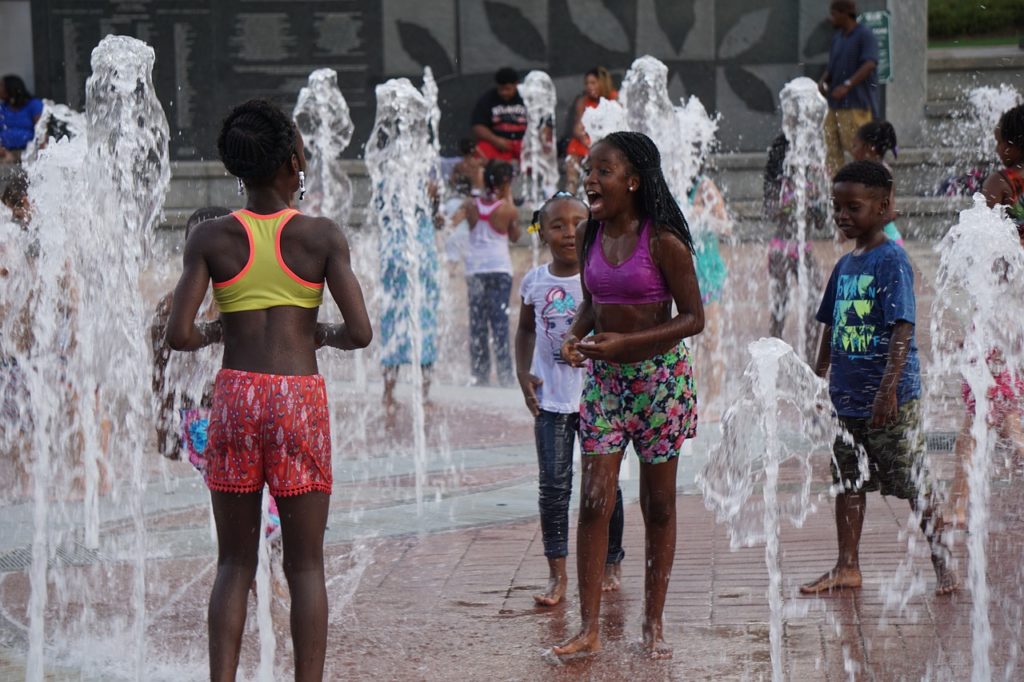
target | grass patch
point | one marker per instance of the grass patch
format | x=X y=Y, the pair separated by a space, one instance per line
x=958 y=19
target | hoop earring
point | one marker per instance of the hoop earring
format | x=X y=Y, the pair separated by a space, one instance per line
x=241 y=187
x=302 y=185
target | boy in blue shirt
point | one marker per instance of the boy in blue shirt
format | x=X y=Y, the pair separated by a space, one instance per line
x=868 y=311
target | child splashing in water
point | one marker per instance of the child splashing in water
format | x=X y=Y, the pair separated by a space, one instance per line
x=637 y=257
x=551 y=295
x=1004 y=187
x=268 y=264
x=875 y=383
x=871 y=143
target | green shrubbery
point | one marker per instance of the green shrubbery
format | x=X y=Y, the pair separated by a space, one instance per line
x=949 y=19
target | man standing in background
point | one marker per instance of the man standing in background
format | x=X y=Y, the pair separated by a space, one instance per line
x=850 y=82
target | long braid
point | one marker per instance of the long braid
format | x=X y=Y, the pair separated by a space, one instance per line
x=654 y=198
x=255 y=139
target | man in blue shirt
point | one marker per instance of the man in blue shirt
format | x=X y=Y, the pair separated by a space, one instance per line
x=850 y=82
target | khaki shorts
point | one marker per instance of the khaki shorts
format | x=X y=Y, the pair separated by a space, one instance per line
x=841 y=126
x=895 y=455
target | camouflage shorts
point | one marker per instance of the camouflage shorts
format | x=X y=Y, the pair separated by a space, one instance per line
x=895 y=455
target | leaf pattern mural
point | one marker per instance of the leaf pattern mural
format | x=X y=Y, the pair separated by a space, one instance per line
x=677 y=18
x=514 y=30
x=819 y=41
x=598 y=24
x=750 y=89
x=421 y=45
x=744 y=34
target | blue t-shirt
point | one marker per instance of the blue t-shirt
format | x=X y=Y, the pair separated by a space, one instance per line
x=866 y=295
x=846 y=55
x=17 y=126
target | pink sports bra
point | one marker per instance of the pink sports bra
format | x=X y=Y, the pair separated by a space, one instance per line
x=634 y=280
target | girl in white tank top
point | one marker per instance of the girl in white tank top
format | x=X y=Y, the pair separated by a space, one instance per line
x=488 y=248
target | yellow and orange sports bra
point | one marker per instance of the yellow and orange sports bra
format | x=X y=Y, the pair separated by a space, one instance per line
x=266 y=281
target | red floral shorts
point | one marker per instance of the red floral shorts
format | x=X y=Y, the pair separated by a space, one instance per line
x=269 y=428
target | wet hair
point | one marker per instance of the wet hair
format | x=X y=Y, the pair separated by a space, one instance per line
x=539 y=214
x=497 y=173
x=255 y=139
x=1011 y=126
x=16 y=190
x=880 y=136
x=17 y=92
x=867 y=173
x=506 y=75
x=466 y=146
x=201 y=215
x=654 y=198
x=604 y=81
x=848 y=7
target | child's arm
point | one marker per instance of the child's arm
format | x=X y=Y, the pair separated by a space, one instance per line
x=886 y=408
x=182 y=332
x=584 y=321
x=996 y=190
x=526 y=337
x=824 y=352
x=356 y=330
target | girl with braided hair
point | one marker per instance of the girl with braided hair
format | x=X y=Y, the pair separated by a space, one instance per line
x=872 y=142
x=269 y=423
x=637 y=259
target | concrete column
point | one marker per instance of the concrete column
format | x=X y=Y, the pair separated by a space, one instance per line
x=907 y=93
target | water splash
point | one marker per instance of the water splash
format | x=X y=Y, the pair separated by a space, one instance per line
x=984 y=106
x=781 y=413
x=539 y=158
x=84 y=367
x=980 y=281
x=322 y=116
x=803 y=114
x=401 y=160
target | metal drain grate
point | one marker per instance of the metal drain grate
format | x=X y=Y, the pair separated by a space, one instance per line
x=940 y=441
x=74 y=555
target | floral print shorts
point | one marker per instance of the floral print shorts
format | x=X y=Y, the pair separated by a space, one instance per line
x=269 y=428
x=651 y=403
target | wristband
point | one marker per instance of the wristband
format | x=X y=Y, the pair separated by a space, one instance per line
x=847 y=83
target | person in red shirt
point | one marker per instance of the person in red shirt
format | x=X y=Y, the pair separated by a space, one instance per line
x=499 y=118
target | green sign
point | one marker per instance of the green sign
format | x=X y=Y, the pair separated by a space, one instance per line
x=880 y=23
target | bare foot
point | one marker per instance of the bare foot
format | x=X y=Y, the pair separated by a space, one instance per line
x=947 y=581
x=585 y=643
x=555 y=591
x=836 y=579
x=654 y=644
x=612 y=577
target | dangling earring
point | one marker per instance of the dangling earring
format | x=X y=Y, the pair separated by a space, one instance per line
x=241 y=187
x=302 y=185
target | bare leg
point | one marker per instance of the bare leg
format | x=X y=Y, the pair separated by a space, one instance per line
x=959 y=489
x=947 y=581
x=600 y=476
x=427 y=375
x=1010 y=429
x=557 y=582
x=849 y=522
x=238 y=538
x=658 y=504
x=303 y=520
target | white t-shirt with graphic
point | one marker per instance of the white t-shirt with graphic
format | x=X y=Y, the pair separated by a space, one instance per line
x=554 y=300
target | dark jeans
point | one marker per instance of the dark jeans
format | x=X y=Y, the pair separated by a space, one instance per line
x=555 y=435
x=488 y=311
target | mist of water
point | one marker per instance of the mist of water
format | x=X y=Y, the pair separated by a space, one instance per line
x=780 y=413
x=980 y=281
